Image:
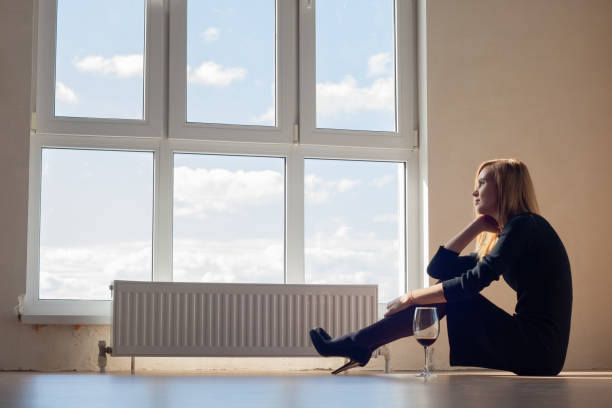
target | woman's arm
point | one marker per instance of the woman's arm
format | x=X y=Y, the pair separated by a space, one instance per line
x=446 y=263
x=480 y=224
x=511 y=247
x=435 y=294
x=424 y=296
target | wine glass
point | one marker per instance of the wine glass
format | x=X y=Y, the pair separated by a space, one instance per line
x=426 y=328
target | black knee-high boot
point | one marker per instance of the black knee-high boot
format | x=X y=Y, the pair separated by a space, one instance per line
x=358 y=346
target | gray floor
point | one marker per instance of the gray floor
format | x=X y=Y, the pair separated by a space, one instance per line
x=487 y=389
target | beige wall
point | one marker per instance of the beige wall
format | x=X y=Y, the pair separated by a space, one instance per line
x=524 y=78
x=530 y=79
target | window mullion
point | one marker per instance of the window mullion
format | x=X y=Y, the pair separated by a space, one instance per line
x=307 y=67
x=412 y=221
x=162 y=224
x=33 y=257
x=294 y=220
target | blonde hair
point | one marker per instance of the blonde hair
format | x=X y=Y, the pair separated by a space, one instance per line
x=515 y=195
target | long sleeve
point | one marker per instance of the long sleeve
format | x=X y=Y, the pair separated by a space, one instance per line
x=447 y=264
x=512 y=243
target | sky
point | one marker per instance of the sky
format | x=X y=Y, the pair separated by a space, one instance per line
x=228 y=211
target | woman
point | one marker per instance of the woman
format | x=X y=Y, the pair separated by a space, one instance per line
x=514 y=241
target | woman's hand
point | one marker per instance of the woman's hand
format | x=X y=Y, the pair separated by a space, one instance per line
x=480 y=224
x=399 y=303
x=486 y=223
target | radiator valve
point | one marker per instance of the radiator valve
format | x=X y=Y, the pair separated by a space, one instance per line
x=102 y=355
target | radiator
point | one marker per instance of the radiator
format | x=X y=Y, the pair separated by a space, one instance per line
x=218 y=319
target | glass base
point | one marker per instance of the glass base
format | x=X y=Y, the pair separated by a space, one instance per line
x=426 y=375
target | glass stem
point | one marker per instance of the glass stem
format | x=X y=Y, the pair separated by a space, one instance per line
x=426 y=370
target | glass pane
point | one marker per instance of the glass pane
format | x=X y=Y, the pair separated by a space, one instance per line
x=229 y=218
x=99 y=60
x=96 y=221
x=355 y=69
x=354 y=224
x=231 y=74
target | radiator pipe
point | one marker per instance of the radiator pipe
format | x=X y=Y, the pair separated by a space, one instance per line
x=384 y=350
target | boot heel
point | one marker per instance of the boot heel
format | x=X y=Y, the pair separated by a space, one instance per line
x=345 y=367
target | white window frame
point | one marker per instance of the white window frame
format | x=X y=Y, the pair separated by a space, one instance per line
x=409 y=252
x=286 y=140
x=286 y=77
x=151 y=125
x=67 y=310
x=405 y=136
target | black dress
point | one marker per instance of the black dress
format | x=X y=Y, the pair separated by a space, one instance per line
x=533 y=341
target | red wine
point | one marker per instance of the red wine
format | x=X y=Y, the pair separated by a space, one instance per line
x=426 y=341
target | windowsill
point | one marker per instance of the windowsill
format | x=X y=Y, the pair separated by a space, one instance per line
x=65 y=319
x=66 y=312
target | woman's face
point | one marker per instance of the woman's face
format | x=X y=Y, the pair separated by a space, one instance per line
x=485 y=196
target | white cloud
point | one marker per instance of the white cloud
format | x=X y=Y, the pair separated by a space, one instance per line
x=266 y=118
x=64 y=93
x=121 y=66
x=344 y=256
x=242 y=260
x=201 y=191
x=345 y=185
x=347 y=97
x=269 y=116
x=383 y=181
x=385 y=218
x=318 y=191
x=379 y=64
x=314 y=190
x=86 y=271
x=210 y=73
x=211 y=34
x=339 y=255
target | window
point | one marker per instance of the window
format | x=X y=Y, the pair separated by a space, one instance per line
x=96 y=221
x=228 y=223
x=100 y=67
x=100 y=74
x=355 y=65
x=354 y=223
x=220 y=141
x=231 y=62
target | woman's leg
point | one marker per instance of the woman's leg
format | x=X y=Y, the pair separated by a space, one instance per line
x=358 y=346
x=391 y=328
